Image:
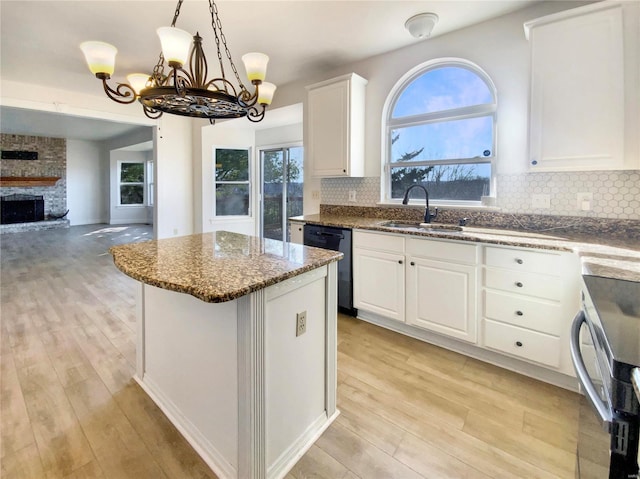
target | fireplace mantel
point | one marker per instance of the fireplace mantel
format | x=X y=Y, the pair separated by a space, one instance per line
x=28 y=180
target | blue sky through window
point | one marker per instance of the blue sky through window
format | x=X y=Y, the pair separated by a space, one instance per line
x=442 y=89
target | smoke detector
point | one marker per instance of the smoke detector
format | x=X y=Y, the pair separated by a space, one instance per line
x=421 y=25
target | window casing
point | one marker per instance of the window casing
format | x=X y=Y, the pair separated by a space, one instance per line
x=440 y=131
x=232 y=182
x=131 y=183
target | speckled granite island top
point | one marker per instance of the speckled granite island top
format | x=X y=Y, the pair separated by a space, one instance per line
x=600 y=255
x=217 y=267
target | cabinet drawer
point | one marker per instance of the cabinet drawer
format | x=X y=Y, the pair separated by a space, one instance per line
x=524 y=312
x=542 y=286
x=520 y=260
x=443 y=250
x=377 y=241
x=531 y=345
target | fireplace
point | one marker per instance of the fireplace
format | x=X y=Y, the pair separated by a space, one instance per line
x=21 y=209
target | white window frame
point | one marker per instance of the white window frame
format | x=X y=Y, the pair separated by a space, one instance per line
x=150 y=181
x=249 y=182
x=473 y=111
x=141 y=183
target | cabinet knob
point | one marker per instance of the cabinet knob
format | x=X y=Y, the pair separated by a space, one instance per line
x=412 y=263
x=519 y=284
x=344 y=171
x=399 y=261
x=519 y=313
x=519 y=261
x=519 y=344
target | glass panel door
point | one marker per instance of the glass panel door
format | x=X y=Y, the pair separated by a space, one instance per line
x=282 y=182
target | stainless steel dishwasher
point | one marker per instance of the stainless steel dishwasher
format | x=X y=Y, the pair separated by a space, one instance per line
x=336 y=239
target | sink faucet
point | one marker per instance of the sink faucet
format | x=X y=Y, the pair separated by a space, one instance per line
x=427 y=215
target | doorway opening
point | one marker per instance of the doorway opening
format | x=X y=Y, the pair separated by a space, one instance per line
x=282 y=189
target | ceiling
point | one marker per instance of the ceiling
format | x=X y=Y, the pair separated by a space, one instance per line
x=39 y=39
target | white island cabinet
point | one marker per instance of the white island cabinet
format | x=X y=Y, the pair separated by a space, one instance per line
x=236 y=344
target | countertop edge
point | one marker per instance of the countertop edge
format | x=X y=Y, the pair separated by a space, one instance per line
x=596 y=259
x=217 y=298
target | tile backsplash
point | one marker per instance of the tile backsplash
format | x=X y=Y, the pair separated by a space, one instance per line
x=616 y=194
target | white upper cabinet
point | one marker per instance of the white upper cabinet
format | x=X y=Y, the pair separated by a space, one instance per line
x=335 y=126
x=577 y=111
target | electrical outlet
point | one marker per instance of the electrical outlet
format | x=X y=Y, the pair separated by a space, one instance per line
x=352 y=195
x=175 y=231
x=541 y=201
x=315 y=195
x=301 y=323
x=585 y=201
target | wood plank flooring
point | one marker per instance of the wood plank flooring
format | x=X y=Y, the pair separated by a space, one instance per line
x=70 y=409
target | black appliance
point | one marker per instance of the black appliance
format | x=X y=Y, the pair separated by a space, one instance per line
x=605 y=348
x=336 y=239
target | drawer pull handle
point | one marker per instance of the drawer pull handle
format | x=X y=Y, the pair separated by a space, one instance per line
x=519 y=261
x=519 y=344
x=519 y=313
x=399 y=261
x=519 y=284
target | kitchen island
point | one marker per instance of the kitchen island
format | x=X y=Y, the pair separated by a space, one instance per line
x=236 y=343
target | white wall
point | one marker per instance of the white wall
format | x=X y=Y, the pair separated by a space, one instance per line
x=226 y=135
x=283 y=135
x=173 y=215
x=87 y=197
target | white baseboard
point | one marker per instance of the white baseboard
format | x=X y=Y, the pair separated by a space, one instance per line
x=281 y=467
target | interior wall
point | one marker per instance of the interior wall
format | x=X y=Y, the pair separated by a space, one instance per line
x=87 y=198
x=173 y=211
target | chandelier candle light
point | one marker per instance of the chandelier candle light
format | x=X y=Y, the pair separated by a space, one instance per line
x=187 y=92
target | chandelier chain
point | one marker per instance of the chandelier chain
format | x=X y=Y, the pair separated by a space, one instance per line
x=176 y=14
x=216 y=24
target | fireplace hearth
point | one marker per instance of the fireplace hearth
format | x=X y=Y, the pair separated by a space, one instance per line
x=20 y=208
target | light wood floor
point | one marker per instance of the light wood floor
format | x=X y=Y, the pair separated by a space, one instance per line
x=409 y=410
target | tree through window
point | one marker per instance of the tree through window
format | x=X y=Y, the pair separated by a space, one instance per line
x=440 y=132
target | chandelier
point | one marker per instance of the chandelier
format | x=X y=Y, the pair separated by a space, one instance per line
x=187 y=91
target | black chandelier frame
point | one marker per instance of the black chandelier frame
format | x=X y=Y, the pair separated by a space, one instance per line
x=188 y=92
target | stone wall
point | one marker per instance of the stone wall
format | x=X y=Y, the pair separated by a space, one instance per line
x=51 y=162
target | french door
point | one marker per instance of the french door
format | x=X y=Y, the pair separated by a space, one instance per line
x=282 y=180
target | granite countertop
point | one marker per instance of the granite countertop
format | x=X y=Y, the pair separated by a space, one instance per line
x=600 y=256
x=217 y=267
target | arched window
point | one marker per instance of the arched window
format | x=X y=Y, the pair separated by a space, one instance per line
x=440 y=132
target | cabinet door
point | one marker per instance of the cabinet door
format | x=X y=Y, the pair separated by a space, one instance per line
x=297 y=232
x=378 y=283
x=577 y=92
x=328 y=127
x=442 y=297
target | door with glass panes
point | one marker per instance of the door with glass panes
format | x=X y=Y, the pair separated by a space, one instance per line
x=282 y=182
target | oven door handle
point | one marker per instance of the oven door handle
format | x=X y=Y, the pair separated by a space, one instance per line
x=581 y=371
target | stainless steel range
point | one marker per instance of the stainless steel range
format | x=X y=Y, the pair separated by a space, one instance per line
x=605 y=348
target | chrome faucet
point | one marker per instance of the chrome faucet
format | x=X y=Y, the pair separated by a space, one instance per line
x=427 y=215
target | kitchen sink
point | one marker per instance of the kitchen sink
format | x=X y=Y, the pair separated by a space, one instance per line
x=417 y=226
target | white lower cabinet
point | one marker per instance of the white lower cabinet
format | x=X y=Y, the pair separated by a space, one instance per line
x=530 y=298
x=296 y=232
x=441 y=293
x=438 y=294
x=378 y=271
x=493 y=300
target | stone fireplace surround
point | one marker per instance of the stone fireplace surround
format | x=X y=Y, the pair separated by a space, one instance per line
x=51 y=163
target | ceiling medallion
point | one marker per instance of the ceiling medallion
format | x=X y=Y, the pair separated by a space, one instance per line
x=183 y=91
